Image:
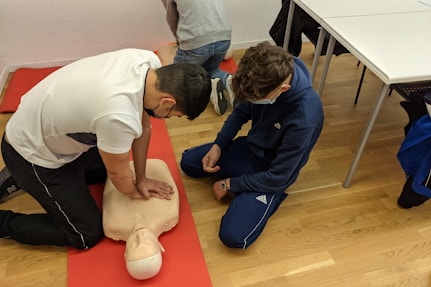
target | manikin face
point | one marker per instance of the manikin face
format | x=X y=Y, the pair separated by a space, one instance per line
x=143 y=253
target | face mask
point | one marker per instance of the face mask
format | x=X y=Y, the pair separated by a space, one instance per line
x=150 y=112
x=264 y=101
x=267 y=101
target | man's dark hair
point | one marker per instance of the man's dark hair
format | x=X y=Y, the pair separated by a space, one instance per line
x=189 y=83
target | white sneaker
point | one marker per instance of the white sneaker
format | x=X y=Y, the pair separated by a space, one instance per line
x=230 y=95
x=217 y=97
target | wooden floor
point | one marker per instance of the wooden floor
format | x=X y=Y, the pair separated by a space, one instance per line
x=322 y=234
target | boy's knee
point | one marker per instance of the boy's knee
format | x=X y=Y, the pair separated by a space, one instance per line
x=232 y=239
x=185 y=167
x=192 y=166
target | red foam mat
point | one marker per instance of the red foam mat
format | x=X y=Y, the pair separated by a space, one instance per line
x=229 y=66
x=22 y=80
x=183 y=261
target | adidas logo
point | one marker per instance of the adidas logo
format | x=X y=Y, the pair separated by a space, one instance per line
x=262 y=198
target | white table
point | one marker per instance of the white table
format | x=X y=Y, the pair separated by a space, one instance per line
x=395 y=47
x=320 y=9
x=390 y=35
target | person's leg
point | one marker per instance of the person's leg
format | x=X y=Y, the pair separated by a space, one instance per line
x=248 y=212
x=209 y=58
x=408 y=197
x=217 y=52
x=191 y=161
x=234 y=161
x=72 y=217
x=94 y=169
x=212 y=65
x=247 y=216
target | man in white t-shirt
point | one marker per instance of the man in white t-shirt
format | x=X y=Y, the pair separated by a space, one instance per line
x=78 y=126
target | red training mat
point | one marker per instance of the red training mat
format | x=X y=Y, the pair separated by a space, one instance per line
x=229 y=66
x=183 y=261
x=22 y=80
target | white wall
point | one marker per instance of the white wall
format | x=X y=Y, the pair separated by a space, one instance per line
x=45 y=33
x=3 y=72
x=251 y=20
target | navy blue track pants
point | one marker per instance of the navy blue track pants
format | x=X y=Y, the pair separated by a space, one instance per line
x=248 y=212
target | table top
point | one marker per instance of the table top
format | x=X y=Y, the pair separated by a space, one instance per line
x=396 y=47
x=319 y=9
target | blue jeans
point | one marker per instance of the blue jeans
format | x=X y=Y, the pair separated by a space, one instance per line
x=209 y=57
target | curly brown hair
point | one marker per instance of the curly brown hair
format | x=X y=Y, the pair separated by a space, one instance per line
x=262 y=69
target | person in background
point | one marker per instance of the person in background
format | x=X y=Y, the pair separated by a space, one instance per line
x=203 y=34
x=414 y=154
x=79 y=125
x=275 y=92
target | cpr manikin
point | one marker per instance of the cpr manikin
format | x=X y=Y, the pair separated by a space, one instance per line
x=140 y=222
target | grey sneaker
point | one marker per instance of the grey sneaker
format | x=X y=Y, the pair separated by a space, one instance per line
x=218 y=96
x=8 y=185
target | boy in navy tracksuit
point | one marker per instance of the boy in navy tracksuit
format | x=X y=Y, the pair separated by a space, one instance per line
x=275 y=93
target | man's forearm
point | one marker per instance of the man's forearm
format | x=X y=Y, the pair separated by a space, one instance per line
x=140 y=152
x=124 y=183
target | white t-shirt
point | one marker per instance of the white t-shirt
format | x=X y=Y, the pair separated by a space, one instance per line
x=93 y=101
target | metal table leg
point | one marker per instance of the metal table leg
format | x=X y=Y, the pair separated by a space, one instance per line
x=366 y=133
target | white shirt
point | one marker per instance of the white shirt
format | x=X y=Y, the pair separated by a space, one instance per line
x=96 y=97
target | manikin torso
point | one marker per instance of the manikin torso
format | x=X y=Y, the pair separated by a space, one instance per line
x=140 y=222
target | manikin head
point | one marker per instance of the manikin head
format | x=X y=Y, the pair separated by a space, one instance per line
x=143 y=253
